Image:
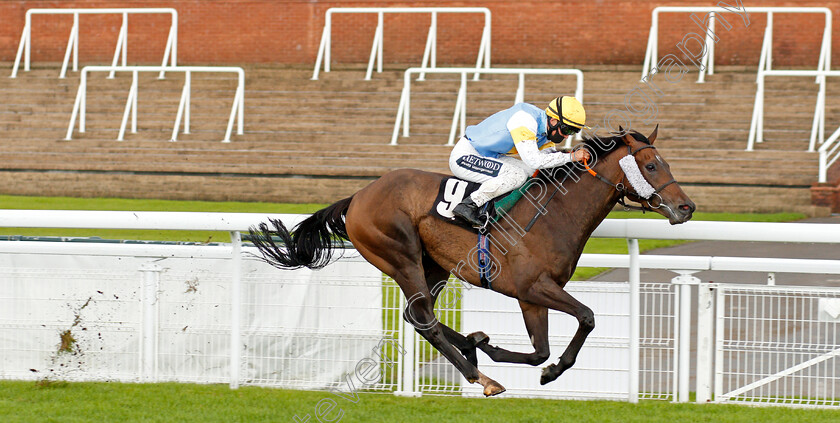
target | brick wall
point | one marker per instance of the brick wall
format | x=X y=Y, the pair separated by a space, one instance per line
x=565 y=32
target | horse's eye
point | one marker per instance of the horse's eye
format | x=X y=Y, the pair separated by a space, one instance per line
x=650 y=167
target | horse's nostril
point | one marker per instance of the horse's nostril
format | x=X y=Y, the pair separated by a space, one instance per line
x=685 y=208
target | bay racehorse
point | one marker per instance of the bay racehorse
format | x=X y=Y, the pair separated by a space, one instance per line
x=389 y=223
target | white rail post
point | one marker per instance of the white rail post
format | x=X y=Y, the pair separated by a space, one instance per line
x=149 y=344
x=76 y=106
x=484 y=47
x=235 y=309
x=402 y=116
x=28 y=48
x=183 y=108
x=653 y=40
x=756 y=130
x=579 y=96
x=634 y=280
x=381 y=42
x=707 y=63
x=705 y=342
x=237 y=110
x=460 y=110
x=323 y=49
x=72 y=47
x=188 y=103
x=520 y=90
x=818 y=125
x=431 y=47
x=83 y=102
x=407 y=108
x=122 y=48
x=130 y=107
x=675 y=368
x=408 y=339
x=376 y=48
x=823 y=172
x=683 y=283
x=240 y=116
x=21 y=47
x=720 y=314
x=769 y=62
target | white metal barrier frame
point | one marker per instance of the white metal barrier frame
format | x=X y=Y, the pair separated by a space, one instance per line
x=707 y=64
x=234 y=223
x=237 y=110
x=678 y=294
x=776 y=344
x=170 y=53
x=429 y=54
x=460 y=113
x=631 y=229
x=829 y=150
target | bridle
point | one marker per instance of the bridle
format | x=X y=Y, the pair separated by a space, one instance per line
x=624 y=192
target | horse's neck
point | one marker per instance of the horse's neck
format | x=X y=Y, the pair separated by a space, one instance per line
x=586 y=204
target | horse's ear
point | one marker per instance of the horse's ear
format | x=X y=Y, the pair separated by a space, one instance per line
x=625 y=136
x=652 y=136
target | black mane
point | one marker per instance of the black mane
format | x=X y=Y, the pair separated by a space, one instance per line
x=598 y=146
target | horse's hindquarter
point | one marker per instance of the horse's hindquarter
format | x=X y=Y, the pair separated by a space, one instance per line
x=382 y=220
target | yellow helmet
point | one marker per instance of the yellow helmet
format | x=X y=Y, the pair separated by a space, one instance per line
x=568 y=111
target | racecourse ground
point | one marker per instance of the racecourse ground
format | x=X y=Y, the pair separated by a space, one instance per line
x=170 y=402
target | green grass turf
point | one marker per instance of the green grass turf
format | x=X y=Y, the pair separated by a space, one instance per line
x=170 y=402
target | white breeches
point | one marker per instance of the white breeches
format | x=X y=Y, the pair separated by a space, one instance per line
x=497 y=176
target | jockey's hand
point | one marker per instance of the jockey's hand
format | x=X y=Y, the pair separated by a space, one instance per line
x=581 y=155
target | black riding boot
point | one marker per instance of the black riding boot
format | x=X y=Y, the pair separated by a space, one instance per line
x=468 y=211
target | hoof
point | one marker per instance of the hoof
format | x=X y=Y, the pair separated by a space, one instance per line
x=478 y=338
x=548 y=374
x=494 y=389
x=491 y=387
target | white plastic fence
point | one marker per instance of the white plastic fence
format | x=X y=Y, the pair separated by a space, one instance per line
x=171 y=50
x=707 y=62
x=829 y=149
x=460 y=113
x=643 y=337
x=237 y=110
x=429 y=54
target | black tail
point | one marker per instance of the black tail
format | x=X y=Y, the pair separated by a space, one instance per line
x=309 y=244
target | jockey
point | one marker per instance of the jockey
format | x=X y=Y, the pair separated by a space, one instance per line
x=484 y=153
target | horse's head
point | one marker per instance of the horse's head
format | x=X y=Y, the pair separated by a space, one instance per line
x=650 y=183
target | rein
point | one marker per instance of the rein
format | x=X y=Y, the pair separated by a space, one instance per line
x=623 y=191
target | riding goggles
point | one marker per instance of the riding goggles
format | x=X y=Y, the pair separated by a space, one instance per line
x=568 y=129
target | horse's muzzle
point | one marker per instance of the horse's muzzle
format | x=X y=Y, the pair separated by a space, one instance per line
x=682 y=213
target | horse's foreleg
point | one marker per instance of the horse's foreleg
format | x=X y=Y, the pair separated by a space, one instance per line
x=548 y=293
x=536 y=322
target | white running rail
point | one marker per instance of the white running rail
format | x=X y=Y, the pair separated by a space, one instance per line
x=707 y=64
x=404 y=108
x=429 y=55
x=236 y=111
x=73 y=42
x=829 y=150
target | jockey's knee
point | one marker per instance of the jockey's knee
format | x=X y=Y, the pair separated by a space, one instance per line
x=519 y=177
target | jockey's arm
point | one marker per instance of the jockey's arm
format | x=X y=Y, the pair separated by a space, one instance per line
x=523 y=129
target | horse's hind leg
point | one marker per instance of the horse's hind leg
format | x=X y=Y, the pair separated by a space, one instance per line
x=436 y=280
x=399 y=254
